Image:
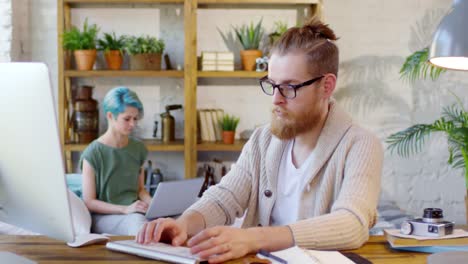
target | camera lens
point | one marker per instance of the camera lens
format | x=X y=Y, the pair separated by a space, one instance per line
x=433 y=215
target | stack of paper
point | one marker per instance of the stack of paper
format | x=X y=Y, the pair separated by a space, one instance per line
x=217 y=61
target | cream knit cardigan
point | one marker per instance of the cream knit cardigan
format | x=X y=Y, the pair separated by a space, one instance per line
x=337 y=206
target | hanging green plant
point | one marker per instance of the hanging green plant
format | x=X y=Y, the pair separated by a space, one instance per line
x=454 y=120
x=453 y=123
x=417 y=67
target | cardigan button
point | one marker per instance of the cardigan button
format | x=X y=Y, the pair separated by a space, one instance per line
x=267 y=193
x=259 y=225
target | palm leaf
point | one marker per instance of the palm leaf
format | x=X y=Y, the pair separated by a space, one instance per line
x=410 y=140
x=416 y=66
x=455 y=156
x=459 y=116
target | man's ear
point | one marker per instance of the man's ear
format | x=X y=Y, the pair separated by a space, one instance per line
x=329 y=84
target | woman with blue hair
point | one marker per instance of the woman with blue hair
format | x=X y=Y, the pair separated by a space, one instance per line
x=113 y=177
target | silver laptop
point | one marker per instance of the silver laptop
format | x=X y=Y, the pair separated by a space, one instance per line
x=173 y=197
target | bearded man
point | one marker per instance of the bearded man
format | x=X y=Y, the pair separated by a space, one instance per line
x=311 y=178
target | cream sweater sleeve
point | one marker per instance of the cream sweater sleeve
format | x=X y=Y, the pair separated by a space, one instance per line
x=222 y=203
x=354 y=211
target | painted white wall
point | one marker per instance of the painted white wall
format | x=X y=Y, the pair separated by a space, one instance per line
x=375 y=38
x=5 y=30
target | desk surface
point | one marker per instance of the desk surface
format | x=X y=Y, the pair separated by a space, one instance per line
x=45 y=250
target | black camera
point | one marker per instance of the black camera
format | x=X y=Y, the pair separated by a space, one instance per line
x=431 y=225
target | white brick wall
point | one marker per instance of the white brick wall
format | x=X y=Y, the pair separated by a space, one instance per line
x=5 y=30
x=375 y=38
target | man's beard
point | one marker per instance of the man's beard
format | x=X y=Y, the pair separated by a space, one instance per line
x=290 y=125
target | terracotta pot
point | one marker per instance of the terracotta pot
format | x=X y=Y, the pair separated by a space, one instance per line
x=146 y=61
x=114 y=59
x=248 y=58
x=228 y=137
x=85 y=59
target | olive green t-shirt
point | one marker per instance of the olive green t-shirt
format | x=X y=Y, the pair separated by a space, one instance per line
x=116 y=170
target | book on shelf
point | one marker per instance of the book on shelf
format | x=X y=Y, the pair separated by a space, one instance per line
x=208 y=55
x=216 y=125
x=210 y=125
x=158 y=251
x=225 y=62
x=216 y=61
x=225 y=67
x=208 y=67
x=209 y=62
x=217 y=55
x=203 y=125
x=225 y=56
x=220 y=114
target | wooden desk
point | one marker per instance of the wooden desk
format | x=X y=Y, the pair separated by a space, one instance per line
x=45 y=250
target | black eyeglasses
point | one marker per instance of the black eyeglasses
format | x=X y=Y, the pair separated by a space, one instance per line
x=286 y=90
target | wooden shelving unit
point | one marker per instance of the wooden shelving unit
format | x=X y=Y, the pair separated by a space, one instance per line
x=230 y=74
x=190 y=74
x=123 y=1
x=151 y=145
x=124 y=73
x=219 y=146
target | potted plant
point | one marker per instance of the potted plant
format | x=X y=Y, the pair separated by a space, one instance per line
x=249 y=37
x=145 y=52
x=280 y=28
x=113 y=47
x=83 y=45
x=229 y=124
x=453 y=122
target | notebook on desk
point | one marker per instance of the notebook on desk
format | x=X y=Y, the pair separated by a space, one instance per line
x=173 y=197
x=297 y=255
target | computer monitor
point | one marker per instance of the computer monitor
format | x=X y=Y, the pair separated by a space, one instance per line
x=33 y=192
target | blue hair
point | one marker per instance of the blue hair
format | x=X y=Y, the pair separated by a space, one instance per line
x=118 y=99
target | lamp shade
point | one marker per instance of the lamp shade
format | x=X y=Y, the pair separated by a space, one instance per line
x=449 y=47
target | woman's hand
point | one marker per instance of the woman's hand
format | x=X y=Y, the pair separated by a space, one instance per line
x=136 y=207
